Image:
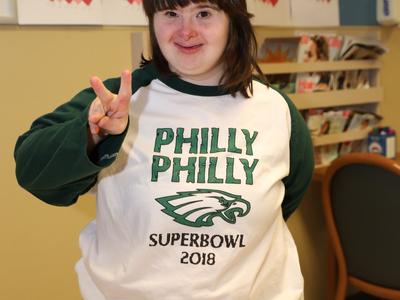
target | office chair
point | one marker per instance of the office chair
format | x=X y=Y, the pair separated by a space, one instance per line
x=361 y=203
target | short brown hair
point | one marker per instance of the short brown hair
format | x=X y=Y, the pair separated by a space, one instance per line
x=241 y=50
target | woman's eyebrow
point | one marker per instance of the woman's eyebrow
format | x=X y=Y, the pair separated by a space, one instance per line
x=199 y=6
x=212 y=6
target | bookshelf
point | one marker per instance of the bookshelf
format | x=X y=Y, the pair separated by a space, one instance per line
x=370 y=98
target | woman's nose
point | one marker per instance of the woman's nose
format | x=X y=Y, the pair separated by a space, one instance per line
x=187 y=28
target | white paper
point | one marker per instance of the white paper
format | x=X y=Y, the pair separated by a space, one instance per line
x=270 y=12
x=123 y=12
x=60 y=12
x=391 y=147
x=315 y=13
x=8 y=11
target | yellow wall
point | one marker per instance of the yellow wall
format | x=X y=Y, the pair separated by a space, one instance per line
x=41 y=67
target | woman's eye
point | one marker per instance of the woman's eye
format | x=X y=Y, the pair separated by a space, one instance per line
x=170 y=14
x=204 y=14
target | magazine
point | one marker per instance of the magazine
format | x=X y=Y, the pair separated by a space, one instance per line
x=324 y=155
x=278 y=50
x=317 y=47
x=335 y=121
x=361 y=48
x=359 y=120
x=313 y=82
x=313 y=48
x=314 y=119
x=284 y=82
x=321 y=122
x=352 y=79
x=335 y=45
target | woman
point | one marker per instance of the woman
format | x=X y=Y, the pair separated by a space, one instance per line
x=196 y=166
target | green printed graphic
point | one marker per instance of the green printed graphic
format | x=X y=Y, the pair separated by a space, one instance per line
x=199 y=208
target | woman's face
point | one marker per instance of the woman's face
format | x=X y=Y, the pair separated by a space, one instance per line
x=193 y=39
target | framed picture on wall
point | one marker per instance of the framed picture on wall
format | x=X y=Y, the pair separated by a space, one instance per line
x=270 y=12
x=123 y=12
x=8 y=12
x=315 y=13
x=60 y=12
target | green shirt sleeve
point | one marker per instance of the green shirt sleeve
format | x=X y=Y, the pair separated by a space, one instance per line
x=51 y=158
x=301 y=162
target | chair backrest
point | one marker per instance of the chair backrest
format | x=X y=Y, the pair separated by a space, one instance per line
x=361 y=196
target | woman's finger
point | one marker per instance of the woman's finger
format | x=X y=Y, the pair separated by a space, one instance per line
x=104 y=95
x=96 y=111
x=125 y=91
x=125 y=88
x=94 y=129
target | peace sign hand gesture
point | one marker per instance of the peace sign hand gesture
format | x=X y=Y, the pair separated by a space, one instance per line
x=108 y=113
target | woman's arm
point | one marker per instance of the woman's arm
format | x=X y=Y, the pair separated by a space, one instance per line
x=59 y=158
x=301 y=162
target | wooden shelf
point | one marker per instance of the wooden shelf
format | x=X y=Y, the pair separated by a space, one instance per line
x=337 y=98
x=281 y=68
x=340 y=137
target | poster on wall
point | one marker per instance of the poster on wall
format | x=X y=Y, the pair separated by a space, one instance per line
x=315 y=13
x=60 y=12
x=8 y=12
x=123 y=12
x=270 y=12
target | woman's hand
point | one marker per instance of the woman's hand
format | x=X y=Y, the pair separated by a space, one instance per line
x=108 y=113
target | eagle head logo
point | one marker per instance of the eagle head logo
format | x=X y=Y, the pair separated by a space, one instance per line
x=199 y=208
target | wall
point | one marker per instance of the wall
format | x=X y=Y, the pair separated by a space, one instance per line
x=41 y=67
x=390 y=109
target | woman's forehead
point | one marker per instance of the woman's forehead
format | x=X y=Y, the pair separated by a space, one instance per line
x=173 y=4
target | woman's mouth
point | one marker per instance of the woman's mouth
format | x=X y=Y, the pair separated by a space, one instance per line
x=188 y=49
